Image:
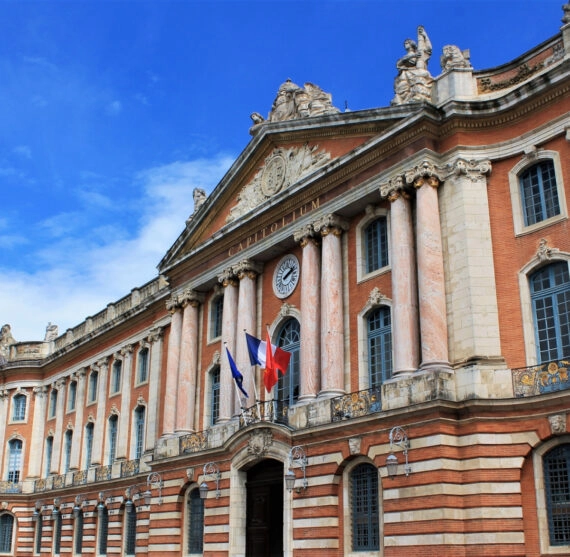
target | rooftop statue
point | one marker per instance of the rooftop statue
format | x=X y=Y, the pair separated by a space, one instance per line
x=413 y=82
x=453 y=57
x=52 y=332
x=6 y=340
x=293 y=102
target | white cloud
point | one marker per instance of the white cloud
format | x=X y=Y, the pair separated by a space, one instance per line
x=114 y=108
x=78 y=275
x=23 y=151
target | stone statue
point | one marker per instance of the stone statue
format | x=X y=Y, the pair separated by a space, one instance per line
x=6 y=340
x=414 y=82
x=199 y=196
x=452 y=57
x=52 y=332
x=293 y=102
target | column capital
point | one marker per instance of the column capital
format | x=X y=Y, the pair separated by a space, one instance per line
x=155 y=334
x=426 y=172
x=247 y=268
x=40 y=391
x=101 y=363
x=475 y=170
x=305 y=235
x=330 y=223
x=190 y=297
x=126 y=350
x=228 y=277
x=173 y=304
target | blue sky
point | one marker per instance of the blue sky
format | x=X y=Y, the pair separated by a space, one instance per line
x=112 y=112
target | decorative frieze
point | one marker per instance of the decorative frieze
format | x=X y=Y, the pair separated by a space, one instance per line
x=259 y=442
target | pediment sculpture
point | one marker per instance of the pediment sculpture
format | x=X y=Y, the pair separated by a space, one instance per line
x=293 y=102
x=283 y=167
x=414 y=82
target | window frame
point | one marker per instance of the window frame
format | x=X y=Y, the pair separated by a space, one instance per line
x=72 y=396
x=67 y=449
x=381 y=332
x=290 y=383
x=102 y=529
x=113 y=436
x=214 y=394
x=93 y=387
x=530 y=159
x=130 y=526
x=4 y=541
x=190 y=525
x=139 y=429
x=216 y=314
x=15 y=460
x=143 y=365
x=372 y=214
x=52 y=407
x=116 y=377
x=19 y=414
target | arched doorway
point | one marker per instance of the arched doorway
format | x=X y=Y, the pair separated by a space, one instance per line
x=264 y=514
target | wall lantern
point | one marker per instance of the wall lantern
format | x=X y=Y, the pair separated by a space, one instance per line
x=398 y=438
x=211 y=470
x=79 y=500
x=153 y=481
x=297 y=457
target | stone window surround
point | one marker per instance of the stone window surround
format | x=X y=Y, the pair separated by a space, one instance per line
x=372 y=213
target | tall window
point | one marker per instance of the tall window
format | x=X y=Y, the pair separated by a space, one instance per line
x=19 y=408
x=143 y=365
x=379 y=346
x=72 y=396
x=68 y=439
x=6 y=532
x=56 y=515
x=93 y=380
x=365 y=508
x=48 y=456
x=38 y=534
x=550 y=293
x=216 y=310
x=52 y=403
x=88 y=444
x=130 y=528
x=102 y=528
x=539 y=192
x=288 y=385
x=195 y=522
x=376 y=245
x=139 y=431
x=113 y=430
x=116 y=373
x=215 y=394
x=78 y=532
x=556 y=464
x=14 y=460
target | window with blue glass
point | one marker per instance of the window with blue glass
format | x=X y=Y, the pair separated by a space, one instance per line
x=116 y=376
x=78 y=532
x=72 y=396
x=195 y=522
x=215 y=394
x=216 y=312
x=102 y=528
x=113 y=430
x=539 y=193
x=288 y=385
x=19 y=408
x=39 y=532
x=550 y=294
x=93 y=381
x=52 y=403
x=48 y=455
x=14 y=460
x=6 y=532
x=376 y=245
x=68 y=440
x=88 y=444
x=139 y=431
x=556 y=465
x=57 y=523
x=142 y=373
x=130 y=528
x=365 y=508
x=379 y=332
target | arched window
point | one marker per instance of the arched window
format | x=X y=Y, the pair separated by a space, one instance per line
x=14 y=460
x=19 y=408
x=194 y=522
x=116 y=375
x=6 y=532
x=113 y=431
x=288 y=385
x=556 y=464
x=539 y=193
x=550 y=294
x=67 y=450
x=364 y=506
x=139 y=431
x=102 y=528
x=130 y=528
x=379 y=346
x=215 y=394
x=376 y=245
x=88 y=444
x=216 y=310
x=142 y=375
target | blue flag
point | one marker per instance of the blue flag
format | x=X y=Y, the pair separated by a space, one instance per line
x=238 y=377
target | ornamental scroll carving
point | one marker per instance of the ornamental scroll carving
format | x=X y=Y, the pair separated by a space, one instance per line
x=283 y=167
x=259 y=442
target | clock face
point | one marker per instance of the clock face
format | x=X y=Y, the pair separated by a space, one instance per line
x=286 y=276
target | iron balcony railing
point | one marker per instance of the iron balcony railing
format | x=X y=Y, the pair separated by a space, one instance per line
x=10 y=487
x=274 y=411
x=543 y=378
x=357 y=404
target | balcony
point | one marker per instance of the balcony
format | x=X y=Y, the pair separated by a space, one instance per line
x=548 y=377
x=10 y=487
x=357 y=404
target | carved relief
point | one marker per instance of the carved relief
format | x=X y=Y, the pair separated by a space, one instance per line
x=354 y=444
x=544 y=252
x=557 y=424
x=282 y=168
x=453 y=57
x=259 y=441
x=475 y=170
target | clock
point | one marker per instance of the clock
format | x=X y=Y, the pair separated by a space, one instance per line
x=286 y=276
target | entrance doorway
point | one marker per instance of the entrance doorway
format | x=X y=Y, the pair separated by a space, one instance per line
x=264 y=518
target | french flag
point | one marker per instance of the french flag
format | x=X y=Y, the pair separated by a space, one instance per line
x=257 y=354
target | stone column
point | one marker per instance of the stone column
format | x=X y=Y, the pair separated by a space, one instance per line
x=229 y=319
x=38 y=432
x=331 y=228
x=58 y=460
x=102 y=366
x=76 y=444
x=406 y=344
x=246 y=272
x=172 y=365
x=310 y=313
x=188 y=371
x=431 y=281
x=126 y=355
x=155 y=340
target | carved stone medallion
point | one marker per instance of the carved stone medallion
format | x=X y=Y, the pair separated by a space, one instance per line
x=259 y=442
x=273 y=176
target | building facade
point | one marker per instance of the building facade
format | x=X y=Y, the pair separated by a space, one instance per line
x=412 y=259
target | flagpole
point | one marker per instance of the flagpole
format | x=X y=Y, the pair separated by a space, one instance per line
x=243 y=415
x=257 y=401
